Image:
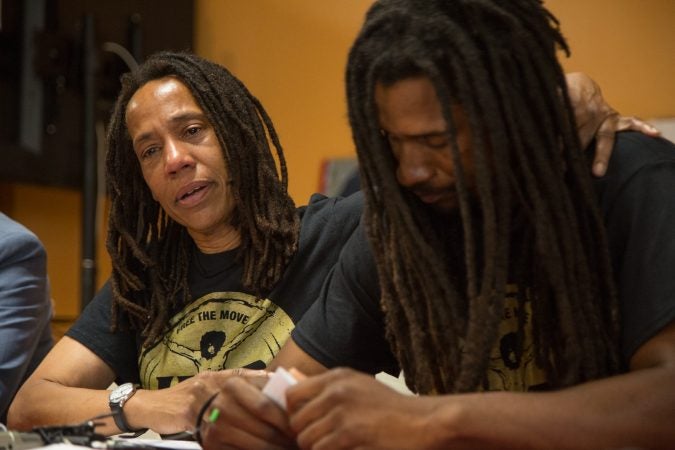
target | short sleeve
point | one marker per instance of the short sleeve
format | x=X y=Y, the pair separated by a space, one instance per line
x=345 y=326
x=92 y=329
x=640 y=217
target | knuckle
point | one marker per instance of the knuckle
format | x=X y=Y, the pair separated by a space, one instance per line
x=342 y=372
x=202 y=379
x=263 y=406
x=207 y=376
x=233 y=372
x=230 y=384
x=340 y=392
x=215 y=437
x=268 y=435
x=347 y=437
x=339 y=417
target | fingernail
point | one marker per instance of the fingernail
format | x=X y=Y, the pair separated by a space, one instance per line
x=297 y=374
x=599 y=169
x=213 y=416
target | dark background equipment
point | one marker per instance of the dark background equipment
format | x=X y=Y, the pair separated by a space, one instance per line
x=60 y=64
x=43 y=51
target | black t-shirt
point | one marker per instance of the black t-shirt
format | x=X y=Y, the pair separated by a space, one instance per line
x=225 y=327
x=637 y=197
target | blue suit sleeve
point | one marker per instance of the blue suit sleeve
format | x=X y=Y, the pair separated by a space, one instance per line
x=25 y=309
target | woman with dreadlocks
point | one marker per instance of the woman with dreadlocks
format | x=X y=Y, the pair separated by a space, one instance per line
x=499 y=267
x=212 y=262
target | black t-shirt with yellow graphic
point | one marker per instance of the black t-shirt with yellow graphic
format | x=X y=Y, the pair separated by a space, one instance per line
x=345 y=326
x=225 y=327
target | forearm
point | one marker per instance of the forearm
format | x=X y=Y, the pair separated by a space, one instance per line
x=602 y=414
x=68 y=387
x=43 y=403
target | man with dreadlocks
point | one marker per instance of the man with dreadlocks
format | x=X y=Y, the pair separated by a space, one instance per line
x=499 y=267
x=212 y=262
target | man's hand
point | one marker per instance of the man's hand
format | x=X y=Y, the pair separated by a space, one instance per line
x=345 y=409
x=596 y=118
x=245 y=419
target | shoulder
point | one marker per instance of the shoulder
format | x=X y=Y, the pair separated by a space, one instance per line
x=102 y=299
x=357 y=257
x=633 y=151
x=12 y=231
x=322 y=207
x=92 y=327
x=325 y=216
x=635 y=158
x=18 y=243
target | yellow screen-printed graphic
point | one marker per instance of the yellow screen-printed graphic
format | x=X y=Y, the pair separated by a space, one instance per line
x=221 y=330
x=512 y=368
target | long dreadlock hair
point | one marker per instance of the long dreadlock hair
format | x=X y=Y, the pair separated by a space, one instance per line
x=149 y=250
x=533 y=219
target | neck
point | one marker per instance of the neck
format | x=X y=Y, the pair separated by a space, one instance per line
x=227 y=239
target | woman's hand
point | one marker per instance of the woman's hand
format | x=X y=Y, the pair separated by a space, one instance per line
x=175 y=409
x=597 y=119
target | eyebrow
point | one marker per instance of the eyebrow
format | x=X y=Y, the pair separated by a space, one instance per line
x=175 y=120
x=184 y=117
x=414 y=136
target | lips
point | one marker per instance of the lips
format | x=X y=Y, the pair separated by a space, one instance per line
x=429 y=197
x=191 y=193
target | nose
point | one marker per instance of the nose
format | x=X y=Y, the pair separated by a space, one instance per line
x=176 y=157
x=415 y=166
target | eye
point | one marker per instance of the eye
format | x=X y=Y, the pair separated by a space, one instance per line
x=149 y=152
x=393 y=142
x=193 y=130
x=436 y=141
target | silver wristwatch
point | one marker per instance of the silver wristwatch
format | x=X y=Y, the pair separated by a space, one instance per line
x=118 y=397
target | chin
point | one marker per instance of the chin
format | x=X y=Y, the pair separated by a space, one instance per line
x=445 y=206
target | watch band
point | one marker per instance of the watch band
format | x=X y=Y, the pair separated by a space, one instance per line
x=118 y=397
x=120 y=420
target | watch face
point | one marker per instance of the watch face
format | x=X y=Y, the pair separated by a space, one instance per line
x=121 y=393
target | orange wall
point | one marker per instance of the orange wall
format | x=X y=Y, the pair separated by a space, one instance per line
x=54 y=215
x=292 y=54
x=627 y=46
